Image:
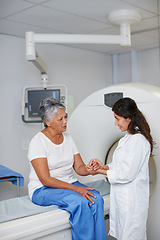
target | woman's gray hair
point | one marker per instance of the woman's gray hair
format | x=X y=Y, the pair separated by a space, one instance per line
x=48 y=109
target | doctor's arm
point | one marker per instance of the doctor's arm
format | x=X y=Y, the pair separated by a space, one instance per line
x=129 y=160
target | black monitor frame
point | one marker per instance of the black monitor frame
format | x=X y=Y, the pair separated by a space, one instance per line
x=36 y=96
x=33 y=95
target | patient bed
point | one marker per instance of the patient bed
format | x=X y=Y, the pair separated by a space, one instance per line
x=21 y=219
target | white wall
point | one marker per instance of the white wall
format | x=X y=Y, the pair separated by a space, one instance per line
x=147 y=64
x=83 y=72
x=149 y=67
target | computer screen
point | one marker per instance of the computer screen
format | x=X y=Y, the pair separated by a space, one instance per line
x=36 y=96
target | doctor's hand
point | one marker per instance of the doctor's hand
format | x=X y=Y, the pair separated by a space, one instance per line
x=94 y=172
x=95 y=164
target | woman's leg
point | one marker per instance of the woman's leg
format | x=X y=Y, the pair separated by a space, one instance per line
x=98 y=215
x=86 y=222
x=82 y=228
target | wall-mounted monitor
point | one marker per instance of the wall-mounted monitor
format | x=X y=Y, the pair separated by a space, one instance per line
x=32 y=96
x=36 y=96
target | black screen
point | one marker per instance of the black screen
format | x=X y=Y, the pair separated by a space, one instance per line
x=36 y=96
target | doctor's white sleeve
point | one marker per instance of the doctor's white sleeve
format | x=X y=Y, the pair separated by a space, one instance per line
x=129 y=160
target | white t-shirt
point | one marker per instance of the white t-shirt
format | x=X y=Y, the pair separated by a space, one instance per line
x=60 y=159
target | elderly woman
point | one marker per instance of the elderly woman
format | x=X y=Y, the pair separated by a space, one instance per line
x=53 y=156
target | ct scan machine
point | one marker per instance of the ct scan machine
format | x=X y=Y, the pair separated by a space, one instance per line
x=92 y=127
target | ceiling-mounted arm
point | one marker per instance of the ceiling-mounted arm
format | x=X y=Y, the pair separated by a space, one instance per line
x=124 y=18
x=33 y=56
x=38 y=62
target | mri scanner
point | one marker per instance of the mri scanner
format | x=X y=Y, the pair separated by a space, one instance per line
x=92 y=127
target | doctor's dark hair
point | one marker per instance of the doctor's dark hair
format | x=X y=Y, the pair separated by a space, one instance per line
x=48 y=109
x=127 y=108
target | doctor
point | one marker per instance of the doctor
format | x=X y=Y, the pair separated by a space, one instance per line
x=128 y=173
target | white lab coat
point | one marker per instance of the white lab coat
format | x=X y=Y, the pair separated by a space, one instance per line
x=129 y=196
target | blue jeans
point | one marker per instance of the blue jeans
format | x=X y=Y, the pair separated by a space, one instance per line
x=87 y=222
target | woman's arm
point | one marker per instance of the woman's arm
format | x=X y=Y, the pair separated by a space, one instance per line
x=40 y=166
x=79 y=166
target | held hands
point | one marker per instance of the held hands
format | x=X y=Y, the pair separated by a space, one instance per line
x=95 y=166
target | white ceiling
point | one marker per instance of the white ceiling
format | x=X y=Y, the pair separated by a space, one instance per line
x=81 y=17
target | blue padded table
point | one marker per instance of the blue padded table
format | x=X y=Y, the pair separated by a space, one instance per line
x=7 y=174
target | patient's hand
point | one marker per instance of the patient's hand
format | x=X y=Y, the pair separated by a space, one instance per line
x=95 y=164
x=94 y=172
